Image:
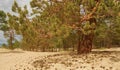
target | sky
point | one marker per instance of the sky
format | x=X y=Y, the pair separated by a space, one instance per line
x=6 y=5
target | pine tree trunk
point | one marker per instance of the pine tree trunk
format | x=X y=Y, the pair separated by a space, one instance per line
x=85 y=44
x=85 y=41
x=11 y=39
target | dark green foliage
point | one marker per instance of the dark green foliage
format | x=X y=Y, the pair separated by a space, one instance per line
x=3 y=22
x=2 y=16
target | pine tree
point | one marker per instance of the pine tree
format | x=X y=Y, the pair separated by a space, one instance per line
x=54 y=21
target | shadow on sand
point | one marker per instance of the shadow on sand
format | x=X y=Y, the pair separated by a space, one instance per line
x=102 y=52
x=11 y=52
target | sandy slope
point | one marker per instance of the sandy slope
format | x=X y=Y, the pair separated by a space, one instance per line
x=19 y=60
x=105 y=59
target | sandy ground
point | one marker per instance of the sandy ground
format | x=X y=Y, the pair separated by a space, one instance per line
x=104 y=59
x=19 y=60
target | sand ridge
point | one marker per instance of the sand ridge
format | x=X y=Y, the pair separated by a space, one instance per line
x=104 y=59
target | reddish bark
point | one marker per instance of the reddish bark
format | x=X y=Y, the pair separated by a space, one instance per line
x=85 y=42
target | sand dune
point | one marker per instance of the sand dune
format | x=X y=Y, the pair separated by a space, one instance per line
x=19 y=60
x=105 y=59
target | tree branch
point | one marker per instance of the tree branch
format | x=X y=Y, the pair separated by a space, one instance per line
x=88 y=16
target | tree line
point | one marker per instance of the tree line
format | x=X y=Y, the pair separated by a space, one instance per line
x=64 y=25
